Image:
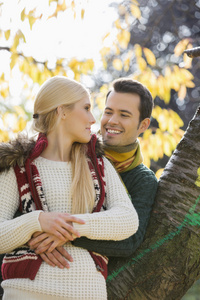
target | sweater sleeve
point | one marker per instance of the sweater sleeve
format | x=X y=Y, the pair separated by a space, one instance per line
x=119 y=221
x=142 y=186
x=14 y=232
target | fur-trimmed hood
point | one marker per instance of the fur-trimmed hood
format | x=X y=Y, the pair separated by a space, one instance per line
x=18 y=150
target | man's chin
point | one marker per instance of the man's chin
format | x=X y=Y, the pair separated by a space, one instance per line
x=110 y=143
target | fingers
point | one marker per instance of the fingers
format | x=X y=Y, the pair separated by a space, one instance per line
x=70 y=218
x=37 y=239
x=59 y=224
x=64 y=253
x=57 y=258
x=67 y=230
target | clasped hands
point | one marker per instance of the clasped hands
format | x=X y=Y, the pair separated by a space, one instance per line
x=57 y=229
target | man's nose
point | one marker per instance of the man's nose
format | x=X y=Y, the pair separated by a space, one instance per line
x=113 y=120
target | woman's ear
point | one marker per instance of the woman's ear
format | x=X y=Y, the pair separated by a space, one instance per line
x=61 y=112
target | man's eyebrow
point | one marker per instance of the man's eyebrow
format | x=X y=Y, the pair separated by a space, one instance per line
x=121 y=110
x=126 y=111
x=108 y=108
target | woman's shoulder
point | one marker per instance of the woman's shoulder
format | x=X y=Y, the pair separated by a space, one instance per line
x=15 y=152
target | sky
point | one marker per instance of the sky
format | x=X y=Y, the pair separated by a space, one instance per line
x=63 y=36
x=53 y=38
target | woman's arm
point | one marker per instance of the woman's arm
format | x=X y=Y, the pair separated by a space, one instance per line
x=119 y=221
x=17 y=232
x=14 y=232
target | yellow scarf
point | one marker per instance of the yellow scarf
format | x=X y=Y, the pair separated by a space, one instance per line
x=125 y=158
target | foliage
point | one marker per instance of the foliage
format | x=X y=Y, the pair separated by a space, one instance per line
x=122 y=54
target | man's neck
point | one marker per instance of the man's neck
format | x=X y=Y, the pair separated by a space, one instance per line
x=121 y=149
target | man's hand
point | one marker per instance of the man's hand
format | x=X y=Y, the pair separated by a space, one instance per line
x=59 y=225
x=58 y=257
x=44 y=242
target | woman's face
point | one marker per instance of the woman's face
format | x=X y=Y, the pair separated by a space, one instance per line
x=78 y=122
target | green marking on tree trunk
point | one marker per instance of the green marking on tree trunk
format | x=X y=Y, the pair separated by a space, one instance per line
x=191 y=218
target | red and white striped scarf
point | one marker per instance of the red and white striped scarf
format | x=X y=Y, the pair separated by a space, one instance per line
x=23 y=262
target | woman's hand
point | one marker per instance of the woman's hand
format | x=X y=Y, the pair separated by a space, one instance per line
x=44 y=242
x=59 y=224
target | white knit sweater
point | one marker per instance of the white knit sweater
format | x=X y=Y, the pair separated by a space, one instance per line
x=82 y=280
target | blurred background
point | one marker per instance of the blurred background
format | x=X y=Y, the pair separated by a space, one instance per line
x=96 y=42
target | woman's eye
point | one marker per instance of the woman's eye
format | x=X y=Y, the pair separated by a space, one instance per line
x=87 y=108
x=124 y=115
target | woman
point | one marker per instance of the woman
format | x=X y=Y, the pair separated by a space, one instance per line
x=66 y=190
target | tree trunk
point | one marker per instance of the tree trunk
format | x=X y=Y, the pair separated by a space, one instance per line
x=168 y=261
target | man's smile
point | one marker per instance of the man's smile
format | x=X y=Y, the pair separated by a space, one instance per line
x=113 y=131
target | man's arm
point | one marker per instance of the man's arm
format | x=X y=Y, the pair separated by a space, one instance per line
x=141 y=184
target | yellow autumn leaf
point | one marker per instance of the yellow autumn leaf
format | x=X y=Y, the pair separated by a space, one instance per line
x=159 y=173
x=117 y=64
x=190 y=84
x=187 y=61
x=82 y=13
x=197 y=182
x=4 y=92
x=180 y=47
x=104 y=51
x=90 y=64
x=135 y=11
x=141 y=63
x=23 y=15
x=13 y=60
x=147 y=134
x=118 y=24
x=182 y=92
x=167 y=147
x=15 y=43
x=151 y=59
x=186 y=75
x=4 y=136
x=7 y=34
x=123 y=38
x=31 y=20
x=138 y=50
x=19 y=125
x=127 y=60
x=2 y=78
x=19 y=110
x=62 y=7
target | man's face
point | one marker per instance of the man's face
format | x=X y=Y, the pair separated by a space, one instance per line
x=120 y=121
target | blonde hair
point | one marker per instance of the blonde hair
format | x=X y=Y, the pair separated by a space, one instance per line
x=56 y=91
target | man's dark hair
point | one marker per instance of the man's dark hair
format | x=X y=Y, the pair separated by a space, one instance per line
x=130 y=86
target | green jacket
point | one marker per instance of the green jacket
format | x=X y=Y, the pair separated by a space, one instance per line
x=141 y=184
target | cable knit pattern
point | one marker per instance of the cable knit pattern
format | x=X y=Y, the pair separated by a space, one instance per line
x=82 y=280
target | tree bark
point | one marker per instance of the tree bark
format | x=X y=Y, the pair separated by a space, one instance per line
x=168 y=262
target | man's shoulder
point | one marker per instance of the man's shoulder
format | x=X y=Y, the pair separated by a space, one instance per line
x=140 y=170
x=140 y=180
x=139 y=176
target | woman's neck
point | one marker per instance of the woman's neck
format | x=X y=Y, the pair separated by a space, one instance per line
x=58 y=148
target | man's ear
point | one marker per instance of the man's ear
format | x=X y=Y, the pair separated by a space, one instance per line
x=144 y=125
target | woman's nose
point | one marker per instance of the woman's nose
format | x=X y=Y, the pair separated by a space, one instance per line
x=92 y=121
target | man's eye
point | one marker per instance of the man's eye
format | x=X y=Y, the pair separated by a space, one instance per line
x=87 y=108
x=126 y=116
x=107 y=112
